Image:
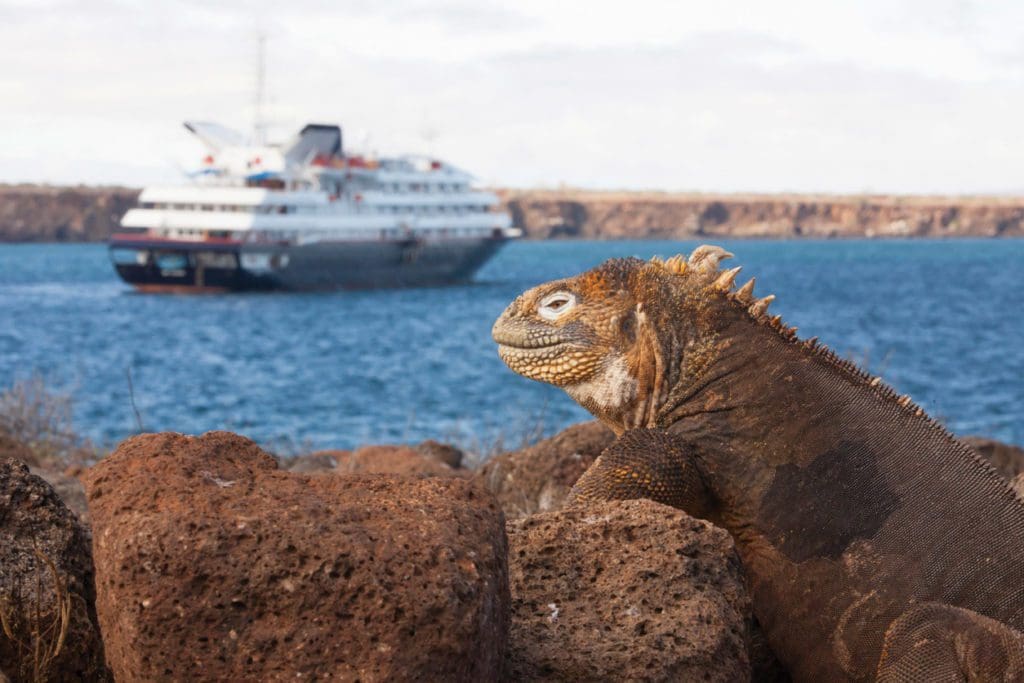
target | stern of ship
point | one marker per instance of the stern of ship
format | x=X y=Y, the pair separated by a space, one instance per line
x=164 y=265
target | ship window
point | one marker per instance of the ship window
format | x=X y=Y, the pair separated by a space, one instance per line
x=216 y=260
x=129 y=256
x=169 y=260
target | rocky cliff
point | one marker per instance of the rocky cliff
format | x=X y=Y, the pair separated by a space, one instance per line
x=36 y=213
x=41 y=213
x=625 y=215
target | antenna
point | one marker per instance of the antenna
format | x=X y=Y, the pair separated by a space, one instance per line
x=259 y=126
x=428 y=133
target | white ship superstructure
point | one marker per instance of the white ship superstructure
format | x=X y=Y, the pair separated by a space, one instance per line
x=306 y=215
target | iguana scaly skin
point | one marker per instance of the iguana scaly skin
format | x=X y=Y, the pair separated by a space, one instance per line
x=876 y=544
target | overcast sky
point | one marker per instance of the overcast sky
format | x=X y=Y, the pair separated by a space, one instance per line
x=917 y=96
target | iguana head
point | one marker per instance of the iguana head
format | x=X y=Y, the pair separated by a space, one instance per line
x=621 y=337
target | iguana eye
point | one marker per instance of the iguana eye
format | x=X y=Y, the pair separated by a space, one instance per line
x=554 y=305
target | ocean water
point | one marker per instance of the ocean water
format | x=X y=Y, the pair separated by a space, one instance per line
x=940 y=320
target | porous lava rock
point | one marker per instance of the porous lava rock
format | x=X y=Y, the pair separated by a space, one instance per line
x=625 y=590
x=46 y=585
x=1006 y=458
x=70 y=489
x=313 y=463
x=403 y=460
x=442 y=452
x=538 y=478
x=212 y=564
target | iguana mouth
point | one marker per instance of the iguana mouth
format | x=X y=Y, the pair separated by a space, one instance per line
x=521 y=343
x=529 y=345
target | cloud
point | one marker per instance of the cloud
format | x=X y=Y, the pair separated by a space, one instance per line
x=697 y=100
x=458 y=17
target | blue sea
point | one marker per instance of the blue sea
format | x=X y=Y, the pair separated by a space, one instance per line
x=940 y=320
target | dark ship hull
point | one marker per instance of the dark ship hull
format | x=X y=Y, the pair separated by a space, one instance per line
x=179 y=266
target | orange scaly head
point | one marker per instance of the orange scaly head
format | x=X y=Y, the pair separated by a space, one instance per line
x=619 y=337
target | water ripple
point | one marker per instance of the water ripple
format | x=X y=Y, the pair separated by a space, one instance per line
x=940 y=320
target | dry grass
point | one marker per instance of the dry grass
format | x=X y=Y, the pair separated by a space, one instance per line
x=478 y=449
x=40 y=634
x=40 y=418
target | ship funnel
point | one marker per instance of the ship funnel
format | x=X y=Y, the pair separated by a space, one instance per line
x=314 y=140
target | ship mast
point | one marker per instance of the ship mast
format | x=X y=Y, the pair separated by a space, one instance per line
x=259 y=127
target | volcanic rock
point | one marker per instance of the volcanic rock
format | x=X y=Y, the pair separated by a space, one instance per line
x=625 y=590
x=442 y=452
x=430 y=458
x=1006 y=458
x=404 y=460
x=600 y=214
x=70 y=489
x=42 y=213
x=46 y=584
x=538 y=478
x=212 y=564
x=313 y=463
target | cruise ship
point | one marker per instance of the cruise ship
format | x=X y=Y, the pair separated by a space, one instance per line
x=306 y=215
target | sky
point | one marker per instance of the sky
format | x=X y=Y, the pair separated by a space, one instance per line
x=893 y=96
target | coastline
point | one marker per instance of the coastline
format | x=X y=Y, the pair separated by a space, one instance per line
x=46 y=213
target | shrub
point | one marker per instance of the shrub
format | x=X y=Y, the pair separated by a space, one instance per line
x=36 y=426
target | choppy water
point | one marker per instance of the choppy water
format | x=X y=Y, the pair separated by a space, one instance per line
x=940 y=320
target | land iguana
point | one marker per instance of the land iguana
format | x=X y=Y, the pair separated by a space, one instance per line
x=877 y=546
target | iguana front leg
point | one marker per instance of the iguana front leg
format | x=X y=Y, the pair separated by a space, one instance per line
x=937 y=642
x=645 y=463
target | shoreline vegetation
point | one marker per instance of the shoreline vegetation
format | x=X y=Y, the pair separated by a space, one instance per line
x=50 y=213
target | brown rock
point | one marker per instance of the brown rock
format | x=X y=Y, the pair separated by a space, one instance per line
x=69 y=488
x=47 y=214
x=1006 y=458
x=442 y=452
x=609 y=214
x=46 y=581
x=538 y=478
x=213 y=564
x=42 y=213
x=403 y=460
x=314 y=463
x=625 y=590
